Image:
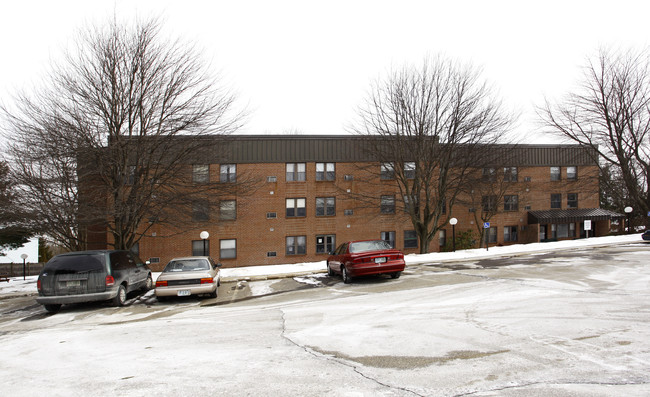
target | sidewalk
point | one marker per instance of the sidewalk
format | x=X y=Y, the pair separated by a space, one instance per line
x=270 y=272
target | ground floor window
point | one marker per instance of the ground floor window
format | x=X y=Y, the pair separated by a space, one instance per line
x=410 y=239
x=200 y=247
x=388 y=237
x=492 y=235
x=296 y=245
x=510 y=233
x=563 y=230
x=442 y=237
x=325 y=243
x=228 y=249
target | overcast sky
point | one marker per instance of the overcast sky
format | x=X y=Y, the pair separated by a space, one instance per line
x=305 y=66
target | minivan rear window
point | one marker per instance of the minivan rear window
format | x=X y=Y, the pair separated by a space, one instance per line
x=76 y=263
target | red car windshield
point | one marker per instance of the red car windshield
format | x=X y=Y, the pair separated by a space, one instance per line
x=363 y=246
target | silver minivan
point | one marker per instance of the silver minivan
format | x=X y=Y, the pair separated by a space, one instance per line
x=88 y=276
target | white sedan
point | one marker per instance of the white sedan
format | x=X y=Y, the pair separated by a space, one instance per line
x=192 y=275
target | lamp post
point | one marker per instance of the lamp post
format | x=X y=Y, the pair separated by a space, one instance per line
x=204 y=236
x=628 y=212
x=23 y=256
x=453 y=222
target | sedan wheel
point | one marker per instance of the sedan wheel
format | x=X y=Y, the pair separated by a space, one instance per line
x=330 y=272
x=395 y=275
x=346 y=277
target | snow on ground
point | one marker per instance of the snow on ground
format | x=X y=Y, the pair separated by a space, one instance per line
x=19 y=286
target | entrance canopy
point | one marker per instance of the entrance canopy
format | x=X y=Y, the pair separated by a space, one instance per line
x=571 y=215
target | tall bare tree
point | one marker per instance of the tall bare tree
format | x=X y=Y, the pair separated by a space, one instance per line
x=429 y=127
x=15 y=225
x=609 y=112
x=108 y=142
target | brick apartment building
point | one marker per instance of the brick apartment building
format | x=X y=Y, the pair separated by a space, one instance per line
x=302 y=207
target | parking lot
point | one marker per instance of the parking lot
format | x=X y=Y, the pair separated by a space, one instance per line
x=566 y=323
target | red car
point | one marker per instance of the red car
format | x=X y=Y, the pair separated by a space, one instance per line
x=363 y=258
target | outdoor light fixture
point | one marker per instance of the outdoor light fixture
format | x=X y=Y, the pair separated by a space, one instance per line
x=453 y=222
x=204 y=236
x=628 y=211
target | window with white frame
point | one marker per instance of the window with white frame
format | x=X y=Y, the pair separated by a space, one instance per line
x=228 y=210
x=200 y=173
x=387 y=204
x=296 y=172
x=296 y=207
x=572 y=173
x=388 y=237
x=296 y=245
x=325 y=206
x=510 y=174
x=228 y=249
x=556 y=173
x=325 y=243
x=228 y=173
x=510 y=233
x=325 y=171
x=387 y=171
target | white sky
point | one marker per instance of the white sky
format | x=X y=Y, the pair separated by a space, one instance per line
x=305 y=66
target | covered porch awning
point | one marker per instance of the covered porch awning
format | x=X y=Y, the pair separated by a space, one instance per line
x=571 y=215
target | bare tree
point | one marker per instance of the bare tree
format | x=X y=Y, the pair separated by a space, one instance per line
x=109 y=141
x=429 y=128
x=15 y=227
x=609 y=112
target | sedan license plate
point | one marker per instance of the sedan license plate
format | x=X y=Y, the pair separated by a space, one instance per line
x=184 y=292
x=380 y=260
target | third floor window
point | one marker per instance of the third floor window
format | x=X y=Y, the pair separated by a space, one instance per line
x=325 y=171
x=228 y=173
x=296 y=172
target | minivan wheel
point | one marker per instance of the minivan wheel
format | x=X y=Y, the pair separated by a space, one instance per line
x=52 y=308
x=120 y=298
x=346 y=277
x=149 y=283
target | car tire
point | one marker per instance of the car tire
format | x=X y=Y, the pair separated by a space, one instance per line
x=395 y=275
x=120 y=298
x=52 y=308
x=330 y=272
x=148 y=285
x=344 y=274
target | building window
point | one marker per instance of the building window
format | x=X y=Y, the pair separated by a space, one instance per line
x=510 y=174
x=228 y=210
x=511 y=203
x=296 y=172
x=411 y=204
x=563 y=230
x=296 y=207
x=228 y=249
x=388 y=237
x=200 y=211
x=489 y=174
x=442 y=237
x=387 y=204
x=492 y=235
x=325 y=206
x=228 y=173
x=555 y=173
x=572 y=200
x=200 y=173
x=409 y=170
x=325 y=244
x=387 y=171
x=410 y=239
x=510 y=233
x=572 y=173
x=489 y=203
x=325 y=171
x=296 y=245
x=200 y=247
x=556 y=200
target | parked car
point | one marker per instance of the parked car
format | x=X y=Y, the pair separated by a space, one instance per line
x=88 y=276
x=194 y=275
x=646 y=235
x=362 y=258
